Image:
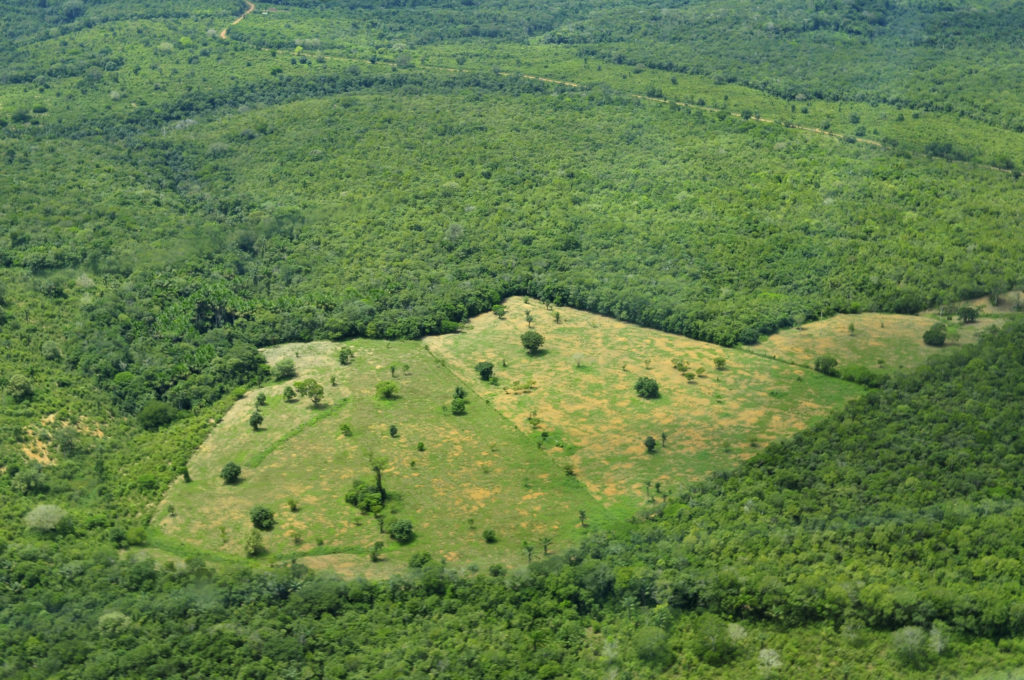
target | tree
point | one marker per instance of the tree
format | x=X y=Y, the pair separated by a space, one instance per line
x=393 y=430
x=255 y=420
x=490 y=536
x=499 y=311
x=936 y=335
x=458 y=406
x=253 y=544
x=46 y=517
x=485 y=369
x=400 y=530
x=345 y=355
x=284 y=369
x=312 y=389
x=289 y=393
x=262 y=518
x=650 y=443
x=719 y=363
x=529 y=319
x=377 y=465
x=375 y=552
x=529 y=551
x=532 y=341
x=826 y=364
x=646 y=388
x=545 y=543
x=261 y=399
x=583 y=518
x=387 y=389
x=230 y=473
x=967 y=314
x=155 y=414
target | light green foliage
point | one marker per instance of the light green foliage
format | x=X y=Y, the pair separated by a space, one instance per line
x=387 y=389
x=46 y=517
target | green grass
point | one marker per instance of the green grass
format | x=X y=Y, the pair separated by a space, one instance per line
x=476 y=472
x=882 y=343
x=596 y=422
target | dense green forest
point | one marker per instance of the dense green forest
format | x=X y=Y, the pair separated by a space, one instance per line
x=172 y=200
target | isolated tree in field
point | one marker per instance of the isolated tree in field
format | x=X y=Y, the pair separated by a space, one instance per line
x=261 y=399
x=284 y=369
x=719 y=363
x=375 y=552
x=499 y=311
x=485 y=369
x=400 y=530
x=255 y=420
x=826 y=364
x=230 y=473
x=646 y=387
x=387 y=389
x=936 y=335
x=490 y=536
x=650 y=443
x=262 y=518
x=458 y=406
x=289 y=393
x=967 y=314
x=532 y=341
x=545 y=543
x=583 y=518
x=529 y=551
x=253 y=543
x=529 y=319
x=345 y=355
x=393 y=430
x=312 y=389
x=459 y=392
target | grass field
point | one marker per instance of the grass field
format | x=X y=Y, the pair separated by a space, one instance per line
x=882 y=342
x=579 y=390
x=476 y=471
x=505 y=464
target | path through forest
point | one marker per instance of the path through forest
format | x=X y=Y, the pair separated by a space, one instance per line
x=224 y=32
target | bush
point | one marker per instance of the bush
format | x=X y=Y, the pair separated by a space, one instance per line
x=255 y=420
x=646 y=387
x=387 y=389
x=936 y=335
x=485 y=369
x=262 y=518
x=230 y=473
x=650 y=442
x=46 y=517
x=420 y=559
x=400 y=530
x=289 y=393
x=490 y=536
x=458 y=406
x=826 y=364
x=284 y=369
x=156 y=414
x=532 y=341
x=345 y=355
x=365 y=497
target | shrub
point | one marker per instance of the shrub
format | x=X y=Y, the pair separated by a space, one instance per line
x=650 y=443
x=284 y=369
x=364 y=496
x=393 y=430
x=230 y=473
x=46 y=517
x=289 y=393
x=458 y=406
x=936 y=335
x=646 y=387
x=255 y=420
x=156 y=414
x=345 y=355
x=262 y=518
x=826 y=364
x=485 y=369
x=420 y=559
x=532 y=341
x=387 y=389
x=400 y=530
x=490 y=536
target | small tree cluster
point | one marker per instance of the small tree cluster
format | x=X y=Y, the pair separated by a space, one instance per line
x=312 y=389
x=400 y=530
x=826 y=364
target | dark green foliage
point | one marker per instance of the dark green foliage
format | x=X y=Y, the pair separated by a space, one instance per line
x=400 y=530
x=364 y=496
x=312 y=389
x=284 y=369
x=826 y=364
x=650 y=443
x=420 y=559
x=288 y=393
x=967 y=314
x=532 y=341
x=485 y=369
x=650 y=643
x=936 y=335
x=712 y=642
x=458 y=406
x=262 y=518
x=156 y=414
x=261 y=399
x=345 y=355
x=255 y=420
x=230 y=473
x=490 y=536
x=646 y=388
x=393 y=430
x=20 y=388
